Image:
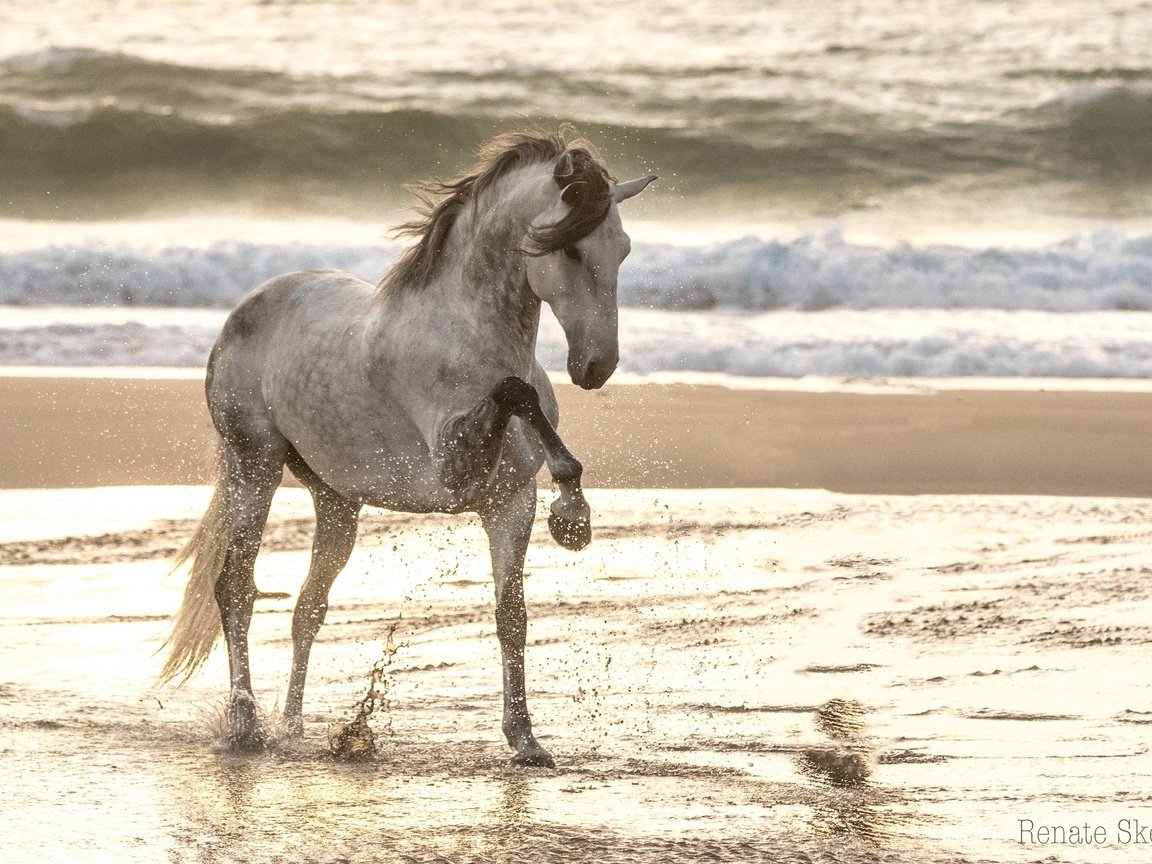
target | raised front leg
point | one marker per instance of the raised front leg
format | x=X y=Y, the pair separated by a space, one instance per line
x=509 y=527
x=469 y=447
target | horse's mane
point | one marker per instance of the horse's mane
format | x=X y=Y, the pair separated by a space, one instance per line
x=443 y=200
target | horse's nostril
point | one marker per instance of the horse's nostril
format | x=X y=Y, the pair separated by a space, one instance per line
x=596 y=372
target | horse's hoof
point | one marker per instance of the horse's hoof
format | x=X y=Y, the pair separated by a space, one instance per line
x=572 y=534
x=534 y=757
x=247 y=740
x=244 y=732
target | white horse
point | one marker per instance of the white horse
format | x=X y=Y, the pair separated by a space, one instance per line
x=420 y=394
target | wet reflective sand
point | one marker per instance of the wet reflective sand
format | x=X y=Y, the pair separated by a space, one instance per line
x=722 y=676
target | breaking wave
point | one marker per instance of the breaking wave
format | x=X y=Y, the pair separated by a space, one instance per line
x=1107 y=270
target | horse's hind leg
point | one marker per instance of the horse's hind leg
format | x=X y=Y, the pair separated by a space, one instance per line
x=336 y=522
x=509 y=527
x=253 y=476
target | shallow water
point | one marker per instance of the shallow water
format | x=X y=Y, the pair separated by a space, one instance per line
x=722 y=675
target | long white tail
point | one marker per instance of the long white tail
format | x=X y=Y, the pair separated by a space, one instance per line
x=196 y=626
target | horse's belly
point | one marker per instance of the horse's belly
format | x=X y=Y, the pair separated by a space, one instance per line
x=364 y=451
x=383 y=466
x=371 y=452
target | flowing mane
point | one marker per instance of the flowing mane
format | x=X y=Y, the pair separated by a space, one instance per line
x=576 y=166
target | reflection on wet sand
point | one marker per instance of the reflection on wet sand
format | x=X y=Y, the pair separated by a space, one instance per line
x=864 y=810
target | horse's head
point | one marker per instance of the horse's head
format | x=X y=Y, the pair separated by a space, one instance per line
x=576 y=276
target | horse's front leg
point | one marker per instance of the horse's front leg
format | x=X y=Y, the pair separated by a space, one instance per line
x=509 y=526
x=569 y=517
x=469 y=447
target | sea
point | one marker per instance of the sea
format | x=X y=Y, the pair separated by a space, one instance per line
x=847 y=188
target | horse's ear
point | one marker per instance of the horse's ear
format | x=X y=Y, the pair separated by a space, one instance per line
x=630 y=188
x=564 y=168
x=573 y=193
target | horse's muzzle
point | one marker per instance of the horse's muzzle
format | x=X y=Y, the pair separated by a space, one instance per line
x=591 y=374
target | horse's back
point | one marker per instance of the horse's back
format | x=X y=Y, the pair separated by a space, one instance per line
x=270 y=331
x=292 y=366
x=318 y=294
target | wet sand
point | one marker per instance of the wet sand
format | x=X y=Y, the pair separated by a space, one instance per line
x=723 y=675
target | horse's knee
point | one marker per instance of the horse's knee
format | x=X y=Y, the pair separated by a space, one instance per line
x=516 y=396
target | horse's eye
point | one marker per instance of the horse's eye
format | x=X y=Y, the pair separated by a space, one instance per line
x=572 y=252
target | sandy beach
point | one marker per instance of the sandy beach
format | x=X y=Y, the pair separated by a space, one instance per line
x=726 y=674
x=77 y=428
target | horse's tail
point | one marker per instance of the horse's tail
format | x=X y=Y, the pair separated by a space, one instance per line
x=196 y=626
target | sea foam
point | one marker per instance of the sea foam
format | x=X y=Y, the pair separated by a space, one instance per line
x=1106 y=270
x=788 y=343
x=818 y=305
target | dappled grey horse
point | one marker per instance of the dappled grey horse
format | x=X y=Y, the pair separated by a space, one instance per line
x=420 y=394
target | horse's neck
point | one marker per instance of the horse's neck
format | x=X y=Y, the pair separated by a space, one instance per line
x=494 y=309
x=475 y=321
x=472 y=325
x=483 y=283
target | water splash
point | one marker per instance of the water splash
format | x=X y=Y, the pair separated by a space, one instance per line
x=354 y=740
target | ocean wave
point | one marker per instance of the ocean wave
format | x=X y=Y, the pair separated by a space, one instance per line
x=1104 y=270
x=881 y=343
x=129 y=344
x=88 y=132
x=86 y=162
x=216 y=276
x=1105 y=131
x=1107 y=270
